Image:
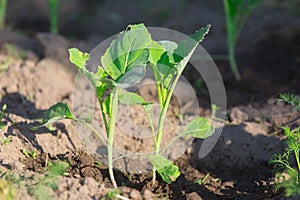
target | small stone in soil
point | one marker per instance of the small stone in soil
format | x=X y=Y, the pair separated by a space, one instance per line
x=193 y=196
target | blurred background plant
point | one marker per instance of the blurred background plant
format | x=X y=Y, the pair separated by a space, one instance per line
x=236 y=13
x=54 y=15
x=2 y=13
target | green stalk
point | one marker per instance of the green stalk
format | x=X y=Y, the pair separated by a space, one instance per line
x=2 y=13
x=162 y=117
x=103 y=115
x=231 y=41
x=110 y=135
x=297 y=159
x=92 y=129
x=53 y=10
x=298 y=163
x=170 y=143
x=151 y=123
x=232 y=62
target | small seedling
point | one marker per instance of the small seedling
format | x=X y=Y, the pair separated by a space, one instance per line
x=97 y=163
x=202 y=180
x=112 y=194
x=30 y=154
x=5 y=141
x=282 y=162
x=236 y=13
x=123 y=65
x=290 y=99
x=14 y=52
x=2 y=124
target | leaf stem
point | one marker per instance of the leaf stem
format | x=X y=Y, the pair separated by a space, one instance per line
x=92 y=129
x=296 y=152
x=171 y=142
x=103 y=115
x=147 y=109
x=131 y=155
x=162 y=117
x=110 y=134
x=232 y=62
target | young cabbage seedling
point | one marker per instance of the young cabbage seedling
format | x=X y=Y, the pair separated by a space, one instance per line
x=168 y=60
x=123 y=65
x=236 y=13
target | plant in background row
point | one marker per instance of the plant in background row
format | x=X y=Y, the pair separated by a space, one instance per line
x=53 y=18
x=123 y=65
x=236 y=13
x=284 y=162
x=2 y=13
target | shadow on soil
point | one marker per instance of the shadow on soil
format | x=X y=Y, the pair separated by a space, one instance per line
x=19 y=105
x=242 y=158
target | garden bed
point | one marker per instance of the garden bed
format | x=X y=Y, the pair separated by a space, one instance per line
x=35 y=73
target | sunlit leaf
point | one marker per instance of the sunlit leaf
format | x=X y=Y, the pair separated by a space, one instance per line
x=187 y=47
x=78 y=58
x=130 y=98
x=155 y=52
x=135 y=72
x=198 y=128
x=125 y=50
x=166 y=168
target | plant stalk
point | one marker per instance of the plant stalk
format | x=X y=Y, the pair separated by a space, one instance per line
x=162 y=117
x=110 y=136
x=53 y=10
x=298 y=164
x=3 y=4
x=231 y=40
x=92 y=129
x=232 y=62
